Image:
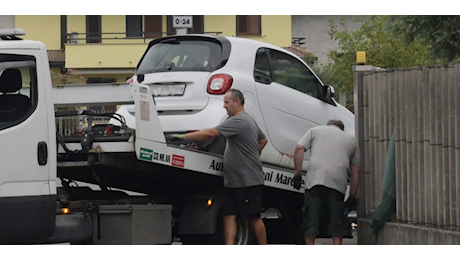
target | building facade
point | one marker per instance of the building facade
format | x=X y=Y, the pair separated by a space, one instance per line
x=107 y=48
x=313 y=30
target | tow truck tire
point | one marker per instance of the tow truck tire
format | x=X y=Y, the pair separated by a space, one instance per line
x=245 y=235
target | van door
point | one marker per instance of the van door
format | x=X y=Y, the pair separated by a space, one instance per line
x=289 y=101
x=27 y=198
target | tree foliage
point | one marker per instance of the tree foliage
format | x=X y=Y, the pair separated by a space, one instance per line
x=71 y=77
x=382 y=49
x=440 y=32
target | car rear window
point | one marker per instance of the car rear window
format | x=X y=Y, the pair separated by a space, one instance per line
x=181 y=55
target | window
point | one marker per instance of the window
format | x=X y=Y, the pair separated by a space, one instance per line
x=153 y=25
x=18 y=88
x=134 y=26
x=262 y=71
x=184 y=55
x=290 y=72
x=197 y=24
x=93 y=29
x=248 y=25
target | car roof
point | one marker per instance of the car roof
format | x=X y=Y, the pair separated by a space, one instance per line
x=250 y=42
x=241 y=41
x=234 y=40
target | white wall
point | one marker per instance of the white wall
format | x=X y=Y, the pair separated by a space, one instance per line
x=7 y=22
x=314 y=29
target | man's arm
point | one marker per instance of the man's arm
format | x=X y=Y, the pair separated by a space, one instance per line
x=354 y=180
x=303 y=145
x=298 y=158
x=202 y=135
x=262 y=144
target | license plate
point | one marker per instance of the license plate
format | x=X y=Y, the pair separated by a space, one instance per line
x=167 y=90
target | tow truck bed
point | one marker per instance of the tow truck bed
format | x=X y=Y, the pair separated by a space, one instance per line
x=146 y=157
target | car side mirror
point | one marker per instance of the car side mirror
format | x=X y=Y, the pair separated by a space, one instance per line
x=261 y=77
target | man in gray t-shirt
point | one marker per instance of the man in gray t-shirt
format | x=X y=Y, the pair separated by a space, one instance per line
x=243 y=175
x=242 y=166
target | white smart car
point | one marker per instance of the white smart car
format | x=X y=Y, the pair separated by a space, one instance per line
x=189 y=75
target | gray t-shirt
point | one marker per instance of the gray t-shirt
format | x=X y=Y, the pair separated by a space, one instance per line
x=242 y=166
x=332 y=151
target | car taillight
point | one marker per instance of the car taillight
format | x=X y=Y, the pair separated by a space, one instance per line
x=219 y=84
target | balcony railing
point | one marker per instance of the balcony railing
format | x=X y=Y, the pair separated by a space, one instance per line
x=81 y=38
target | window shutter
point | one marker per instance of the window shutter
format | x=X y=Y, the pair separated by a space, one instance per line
x=134 y=26
x=248 y=25
x=153 y=25
x=93 y=29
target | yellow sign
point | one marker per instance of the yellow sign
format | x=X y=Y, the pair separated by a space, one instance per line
x=361 y=57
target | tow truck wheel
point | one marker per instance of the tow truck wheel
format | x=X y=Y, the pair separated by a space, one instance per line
x=245 y=234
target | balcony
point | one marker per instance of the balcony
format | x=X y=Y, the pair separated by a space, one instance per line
x=108 y=50
x=122 y=37
x=114 y=50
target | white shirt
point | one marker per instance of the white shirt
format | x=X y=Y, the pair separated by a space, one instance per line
x=332 y=151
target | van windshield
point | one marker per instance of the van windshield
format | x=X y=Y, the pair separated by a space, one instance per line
x=184 y=55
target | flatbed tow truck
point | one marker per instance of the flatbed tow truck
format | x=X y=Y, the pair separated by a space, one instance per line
x=182 y=186
x=143 y=161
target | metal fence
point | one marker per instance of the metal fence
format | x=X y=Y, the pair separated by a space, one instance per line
x=120 y=37
x=69 y=125
x=422 y=106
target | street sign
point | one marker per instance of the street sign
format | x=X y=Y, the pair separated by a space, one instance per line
x=182 y=21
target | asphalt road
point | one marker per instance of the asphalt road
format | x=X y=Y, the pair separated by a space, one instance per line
x=324 y=241
x=318 y=241
x=345 y=241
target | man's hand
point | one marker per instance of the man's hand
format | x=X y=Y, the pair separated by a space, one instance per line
x=351 y=203
x=297 y=180
x=175 y=137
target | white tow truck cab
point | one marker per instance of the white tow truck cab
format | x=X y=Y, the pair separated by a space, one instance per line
x=27 y=140
x=182 y=185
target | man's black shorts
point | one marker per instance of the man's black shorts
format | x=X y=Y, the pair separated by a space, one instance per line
x=244 y=202
x=321 y=199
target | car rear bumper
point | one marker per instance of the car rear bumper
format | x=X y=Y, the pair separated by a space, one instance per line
x=182 y=120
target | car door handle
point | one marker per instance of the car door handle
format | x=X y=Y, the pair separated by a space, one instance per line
x=42 y=153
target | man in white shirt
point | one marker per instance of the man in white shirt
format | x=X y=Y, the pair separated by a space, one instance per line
x=333 y=152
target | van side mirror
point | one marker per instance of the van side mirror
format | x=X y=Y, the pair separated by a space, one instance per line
x=328 y=94
x=261 y=77
x=330 y=91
